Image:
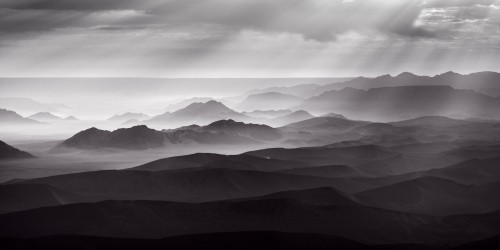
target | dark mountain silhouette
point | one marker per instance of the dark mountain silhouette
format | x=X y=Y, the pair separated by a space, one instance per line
x=469 y=172
x=435 y=121
x=223 y=132
x=296 y=116
x=227 y=132
x=129 y=116
x=324 y=196
x=268 y=100
x=222 y=241
x=402 y=163
x=474 y=171
x=491 y=243
x=321 y=156
x=198 y=113
x=8 y=152
x=156 y=219
x=377 y=160
x=334 y=171
x=434 y=196
x=45 y=117
x=199 y=136
x=185 y=185
x=135 y=138
x=398 y=103
x=11 y=117
x=424 y=174
x=425 y=148
x=482 y=82
x=254 y=131
x=237 y=162
x=28 y=196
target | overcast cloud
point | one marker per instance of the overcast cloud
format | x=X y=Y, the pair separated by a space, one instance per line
x=247 y=38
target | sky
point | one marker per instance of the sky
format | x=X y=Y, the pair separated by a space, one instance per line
x=247 y=38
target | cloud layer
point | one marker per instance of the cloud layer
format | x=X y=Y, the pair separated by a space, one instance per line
x=299 y=36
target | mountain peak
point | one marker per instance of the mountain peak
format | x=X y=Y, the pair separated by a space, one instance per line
x=44 y=116
x=197 y=113
x=71 y=118
x=386 y=76
x=222 y=122
x=335 y=115
x=300 y=112
x=449 y=74
x=406 y=74
x=140 y=127
x=209 y=104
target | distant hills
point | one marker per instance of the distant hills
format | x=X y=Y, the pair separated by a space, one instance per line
x=186 y=102
x=269 y=100
x=330 y=124
x=296 y=116
x=71 y=118
x=129 y=116
x=482 y=82
x=8 y=152
x=384 y=98
x=30 y=106
x=268 y=114
x=399 y=103
x=11 y=117
x=45 y=117
x=297 y=90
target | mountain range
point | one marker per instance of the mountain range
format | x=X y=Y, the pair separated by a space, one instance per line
x=404 y=162
x=223 y=132
x=137 y=138
x=482 y=82
x=399 y=103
